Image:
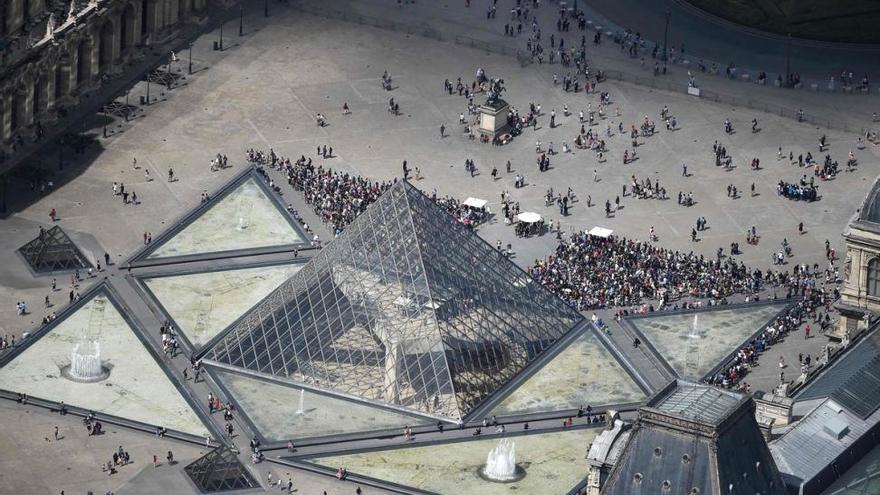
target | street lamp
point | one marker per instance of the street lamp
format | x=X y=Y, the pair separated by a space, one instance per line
x=221 y=35
x=241 y=20
x=190 y=58
x=148 y=89
x=665 y=40
x=266 y=8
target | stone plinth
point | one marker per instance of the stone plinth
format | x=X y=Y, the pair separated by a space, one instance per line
x=493 y=118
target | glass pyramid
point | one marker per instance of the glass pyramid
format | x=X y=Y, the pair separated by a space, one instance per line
x=219 y=471
x=136 y=388
x=554 y=464
x=204 y=304
x=281 y=412
x=695 y=343
x=241 y=217
x=407 y=307
x=53 y=251
x=584 y=373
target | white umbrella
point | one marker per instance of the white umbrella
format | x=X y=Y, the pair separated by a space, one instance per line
x=529 y=217
x=600 y=232
x=475 y=202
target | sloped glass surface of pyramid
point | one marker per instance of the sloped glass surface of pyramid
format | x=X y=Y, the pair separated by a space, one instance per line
x=132 y=384
x=243 y=217
x=219 y=471
x=408 y=308
x=52 y=251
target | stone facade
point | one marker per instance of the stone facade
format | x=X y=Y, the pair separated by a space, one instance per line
x=53 y=52
x=861 y=290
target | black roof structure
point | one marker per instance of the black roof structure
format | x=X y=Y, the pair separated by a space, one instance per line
x=407 y=308
x=852 y=381
x=219 y=471
x=53 y=251
x=695 y=439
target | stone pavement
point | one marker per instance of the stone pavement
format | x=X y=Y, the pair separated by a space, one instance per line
x=264 y=90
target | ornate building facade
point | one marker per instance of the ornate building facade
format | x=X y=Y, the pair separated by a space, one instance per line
x=52 y=52
x=861 y=290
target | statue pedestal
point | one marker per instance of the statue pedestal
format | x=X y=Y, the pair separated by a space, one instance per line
x=493 y=118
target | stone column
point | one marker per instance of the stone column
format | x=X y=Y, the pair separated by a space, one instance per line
x=50 y=75
x=28 y=117
x=16 y=15
x=72 y=70
x=116 y=45
x=95 y=65
x=6 y=125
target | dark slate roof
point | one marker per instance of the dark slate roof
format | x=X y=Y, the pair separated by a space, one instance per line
x=694 y=439
x=853 y=381
x=868 y=216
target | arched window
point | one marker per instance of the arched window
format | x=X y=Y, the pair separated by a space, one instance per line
x=874 y=277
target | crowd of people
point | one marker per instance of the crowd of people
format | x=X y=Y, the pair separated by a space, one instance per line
x=812 y=300
x=797 y=192
x=339 y=197
x=592 y=272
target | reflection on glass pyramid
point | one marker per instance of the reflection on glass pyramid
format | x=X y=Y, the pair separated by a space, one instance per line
x=584 y=373
x=52 y=251
x=218 y=471
x=243 y=218
x=718 y=332
x=553 y=463
x=203 y=304
x=407 y=307
x=274 y=409
x=136 y=388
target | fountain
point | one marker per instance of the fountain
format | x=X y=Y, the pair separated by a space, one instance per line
x=694 y=334
x=302 y=395
x=501 y=464
x=85 y=363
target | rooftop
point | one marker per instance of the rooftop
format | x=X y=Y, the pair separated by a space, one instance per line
x=697 y=402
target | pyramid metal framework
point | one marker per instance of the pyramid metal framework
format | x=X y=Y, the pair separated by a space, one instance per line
x=407 y=308
x=219 y=470
x=53 y=251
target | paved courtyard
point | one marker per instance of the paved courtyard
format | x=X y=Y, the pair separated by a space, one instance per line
x=263 y=92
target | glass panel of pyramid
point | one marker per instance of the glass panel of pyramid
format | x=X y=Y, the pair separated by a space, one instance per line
x=584 y=373
x=406 y=307
x=136 y=388
x=218 y=471
x=245 y=218
x=719 y=332
x=203 y=304
x=284 y=412
x=52 y=251
x=553 y=462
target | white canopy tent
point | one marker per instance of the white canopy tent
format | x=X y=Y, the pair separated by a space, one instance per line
x=600 y=232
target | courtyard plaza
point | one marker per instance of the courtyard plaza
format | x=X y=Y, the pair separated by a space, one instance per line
x=251 y=95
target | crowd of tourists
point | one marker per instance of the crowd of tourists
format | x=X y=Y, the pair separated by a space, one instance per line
x=812 y=301
x=339 y=197
x=592 y=272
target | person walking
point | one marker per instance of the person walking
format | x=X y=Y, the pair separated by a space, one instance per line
x=442 y=131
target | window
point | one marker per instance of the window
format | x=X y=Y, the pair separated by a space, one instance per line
x=874 y=277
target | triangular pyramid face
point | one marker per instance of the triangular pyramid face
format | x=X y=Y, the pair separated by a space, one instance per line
x=406 y=307
x=584 y=373
x=52 y=251
x=135 y=388
x=695 y=343
x=243 y=218
x=553 y=463
x=282 y=412
x=218 y=471
x=203 y=304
